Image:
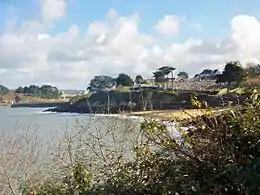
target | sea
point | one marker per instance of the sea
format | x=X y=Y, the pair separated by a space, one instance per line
x=54 y=128
x=51 y=126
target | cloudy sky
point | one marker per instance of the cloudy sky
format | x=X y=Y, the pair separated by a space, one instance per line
x=66 y=42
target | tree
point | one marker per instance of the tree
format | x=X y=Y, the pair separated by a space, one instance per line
x=3 y=90
x=233 y=73
x=183 y=75
x=45 y=91
x=48 y=91
x=19 y=90
x=162 y=74
x=159 y=77
x=253 y=70
x=101 y=82
x=124 y=80
x=35 y=90
x=139 y=79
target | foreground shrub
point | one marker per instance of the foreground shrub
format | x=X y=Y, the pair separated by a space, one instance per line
x=213 y=154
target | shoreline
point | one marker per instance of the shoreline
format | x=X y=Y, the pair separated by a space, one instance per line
x=47 y=104
x=5 y=105
x=180 y=114
x=162 y=115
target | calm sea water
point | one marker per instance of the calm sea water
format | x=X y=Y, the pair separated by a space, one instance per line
x=50 y=125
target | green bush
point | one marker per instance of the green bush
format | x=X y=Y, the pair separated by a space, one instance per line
x=215 y=154
x=3 y=90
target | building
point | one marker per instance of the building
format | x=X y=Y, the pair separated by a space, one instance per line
x=207 y=74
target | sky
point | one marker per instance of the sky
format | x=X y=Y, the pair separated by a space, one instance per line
x=67 y=42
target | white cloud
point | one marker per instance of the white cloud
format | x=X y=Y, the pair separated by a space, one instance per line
x=246 y=35
x=29 y=55
x=112 y=14
x=53 y=9
x=170 y=24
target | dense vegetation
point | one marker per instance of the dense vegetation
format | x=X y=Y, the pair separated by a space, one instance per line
x=45 y=91
x=211 y=154
x=214 y=154
x=233 y=76
x=183 y=75
x=139 y=79
x=124 y=80
x=233 y=73
x=253 y=70
x=230 y=87
x=3 y=90
x=101 y=82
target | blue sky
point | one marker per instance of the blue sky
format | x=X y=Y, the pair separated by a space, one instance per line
x=66 y=43
x=214 y=15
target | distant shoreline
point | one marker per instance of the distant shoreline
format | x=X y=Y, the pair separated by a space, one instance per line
x=5 y=105
x=39 y=104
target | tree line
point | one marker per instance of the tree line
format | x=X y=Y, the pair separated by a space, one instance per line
x=233 y=73
x=45 y=91
x=161 y=75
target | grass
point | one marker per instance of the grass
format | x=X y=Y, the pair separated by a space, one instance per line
x=171 y=114
x=123 y=89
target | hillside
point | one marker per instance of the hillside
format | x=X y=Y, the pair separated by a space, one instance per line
x=116 y=101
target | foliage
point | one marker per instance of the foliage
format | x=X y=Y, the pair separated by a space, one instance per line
x=78 y=181
x=213 y=154
x=45 y=91
x=146 y=82
x=79 y=97
x=216 y=155
x=238 y=91
x=233 y=73
x=139 y=79
x=101 y=83
x=124 y=80
x=3 y=90
x=253 y=70
x=166 y=69
x=159 y=77
x=183 y=75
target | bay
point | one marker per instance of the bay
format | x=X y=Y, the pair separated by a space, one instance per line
x=54 y=125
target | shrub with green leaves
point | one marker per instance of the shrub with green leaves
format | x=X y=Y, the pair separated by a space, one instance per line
x=216 y=154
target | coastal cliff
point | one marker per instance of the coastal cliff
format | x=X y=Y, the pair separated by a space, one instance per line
x=112 y=102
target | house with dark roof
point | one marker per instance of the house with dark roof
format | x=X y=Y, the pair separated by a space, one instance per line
x=207 y=74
